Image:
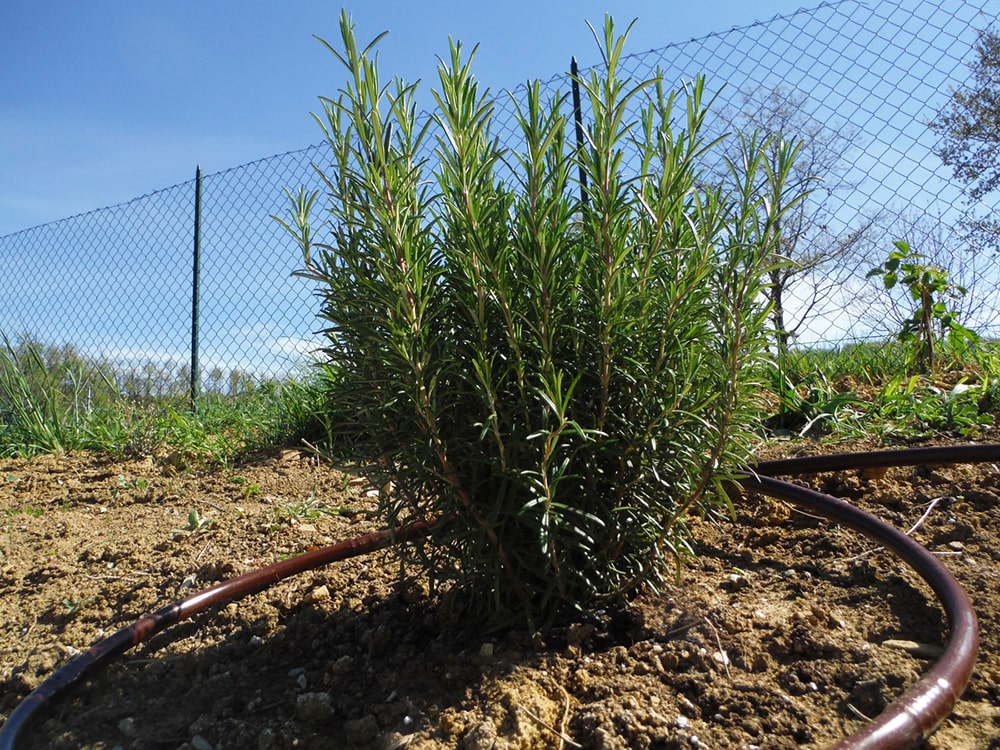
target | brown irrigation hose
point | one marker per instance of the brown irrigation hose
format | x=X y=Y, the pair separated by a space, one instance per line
x=902 y=725
x=146 y=627
x=913 y=716
x=939 y=454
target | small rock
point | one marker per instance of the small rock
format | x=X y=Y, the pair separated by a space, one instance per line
x=314 y=708
x=483 y=736
x=342 y=666
x=318 y=594
x=362 y=732
x=128 y=727
x=268 y=739
x=200 y=743
x=736 y=582
x=579 y=633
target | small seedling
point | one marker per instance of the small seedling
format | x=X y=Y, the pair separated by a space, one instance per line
x=28 y=511
x=931 y=288
x=312 y=508
x=195 y=523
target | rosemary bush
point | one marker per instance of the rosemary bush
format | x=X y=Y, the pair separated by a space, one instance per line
x=564 y=378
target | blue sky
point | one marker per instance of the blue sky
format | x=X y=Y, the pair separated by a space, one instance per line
x=104 y=101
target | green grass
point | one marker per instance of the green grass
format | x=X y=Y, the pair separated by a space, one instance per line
x=866 y=361
x=51 y=402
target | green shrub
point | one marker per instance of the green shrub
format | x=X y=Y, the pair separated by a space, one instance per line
x=564 y=379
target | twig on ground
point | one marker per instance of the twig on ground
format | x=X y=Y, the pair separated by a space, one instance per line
x=565 y=712
x=722 y=651
x=930 y=507
x=857 y=713
x=544 y=725
x=210 y=504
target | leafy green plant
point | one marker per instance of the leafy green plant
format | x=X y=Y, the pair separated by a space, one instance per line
x=29 y=511
x=813 y=405
x=565 y=380
x=911 y=407
x=930 y=287
x=136 y=488
x=128 y=428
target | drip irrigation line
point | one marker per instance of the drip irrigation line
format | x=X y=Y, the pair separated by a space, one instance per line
x=902 y=725
x=146 y=627
x=912 y=717
x=938 y=454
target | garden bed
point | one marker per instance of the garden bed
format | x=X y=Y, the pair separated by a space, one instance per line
x=787 y=633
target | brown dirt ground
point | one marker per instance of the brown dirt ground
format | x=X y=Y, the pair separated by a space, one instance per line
x=774 y=641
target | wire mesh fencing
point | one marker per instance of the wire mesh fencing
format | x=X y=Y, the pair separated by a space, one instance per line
x=857 y=81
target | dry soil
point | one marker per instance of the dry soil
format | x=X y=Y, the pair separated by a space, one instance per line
x=781 y=637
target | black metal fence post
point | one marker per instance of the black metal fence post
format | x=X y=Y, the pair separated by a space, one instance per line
x=195 y=281
x=578 y=119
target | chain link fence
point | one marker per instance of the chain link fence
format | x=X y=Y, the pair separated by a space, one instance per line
x=858 y=81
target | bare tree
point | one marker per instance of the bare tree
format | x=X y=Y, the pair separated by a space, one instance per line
x=969 y=126
x=820 y=257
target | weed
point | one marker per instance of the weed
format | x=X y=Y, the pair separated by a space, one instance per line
x=124 y=485
x=29 y=511
x=52 y=400
x=195 y=523
x=913 y=407
x=812 y=405
x=312 y=508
